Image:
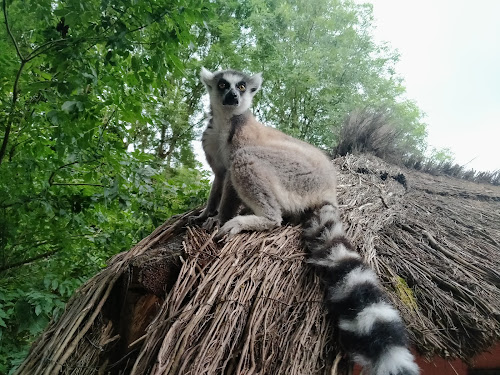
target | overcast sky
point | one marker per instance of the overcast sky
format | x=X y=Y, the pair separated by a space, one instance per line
x=450 y=60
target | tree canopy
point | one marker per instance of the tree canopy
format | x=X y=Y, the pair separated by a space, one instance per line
x=100 y=102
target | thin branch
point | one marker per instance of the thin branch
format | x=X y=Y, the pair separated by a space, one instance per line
x=4 y=4
x=155 y=20
x=5 y=139
x=123 y=13
x=53 y=174
x=78 y=184
x=19 y=202
x=16 y=143
x=105 y=127
x=15 y=90
x=51 y=242
x=8 y=128
x=40 y=49
x=29 y=260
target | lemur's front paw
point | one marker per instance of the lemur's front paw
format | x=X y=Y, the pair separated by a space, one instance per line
x=201 y=218
x=211 y=223
x=195 y=220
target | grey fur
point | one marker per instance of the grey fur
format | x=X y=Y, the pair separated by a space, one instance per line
x=275 y=175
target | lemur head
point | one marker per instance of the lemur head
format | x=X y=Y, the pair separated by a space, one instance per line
x=230 y=91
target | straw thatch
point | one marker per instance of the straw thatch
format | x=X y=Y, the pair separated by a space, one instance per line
x=178 y=303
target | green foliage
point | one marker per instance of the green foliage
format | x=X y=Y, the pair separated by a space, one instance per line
x=85 y=90
x=444 y=155
x=25 y=313
x=75 y=232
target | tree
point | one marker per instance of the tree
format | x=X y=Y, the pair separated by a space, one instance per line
x=76 y=78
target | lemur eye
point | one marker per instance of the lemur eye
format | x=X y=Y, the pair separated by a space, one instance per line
x=222 y=85
x=242 y=87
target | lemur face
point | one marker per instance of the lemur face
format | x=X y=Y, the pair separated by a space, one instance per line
x=231 y=91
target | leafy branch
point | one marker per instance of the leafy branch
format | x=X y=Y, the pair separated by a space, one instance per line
x=53 y=174
x=15 y=89
x=44 y=48
x=78 y=184
x=47 y=254
x=18 y=51
x=30 y=260
x=153 y=21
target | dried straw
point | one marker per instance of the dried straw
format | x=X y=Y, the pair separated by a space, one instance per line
x=255 y=308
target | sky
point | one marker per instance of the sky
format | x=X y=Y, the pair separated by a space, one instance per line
x=450 y=62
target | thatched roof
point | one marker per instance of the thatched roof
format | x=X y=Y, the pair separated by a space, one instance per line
x=178 y=303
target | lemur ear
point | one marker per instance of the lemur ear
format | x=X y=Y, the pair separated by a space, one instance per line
x=206 y=76
x=255 y=82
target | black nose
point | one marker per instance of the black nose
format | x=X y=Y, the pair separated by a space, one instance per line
x=231 y=98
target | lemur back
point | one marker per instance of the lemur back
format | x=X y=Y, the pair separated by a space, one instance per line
x=274 y=175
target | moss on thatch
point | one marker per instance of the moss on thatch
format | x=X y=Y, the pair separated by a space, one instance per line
x=178 y=303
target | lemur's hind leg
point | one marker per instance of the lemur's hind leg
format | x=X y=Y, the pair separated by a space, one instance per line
x=253 y=183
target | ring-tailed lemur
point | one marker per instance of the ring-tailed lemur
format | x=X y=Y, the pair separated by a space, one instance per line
x=274 y=174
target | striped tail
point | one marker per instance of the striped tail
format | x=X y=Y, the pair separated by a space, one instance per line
x=370 y=328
